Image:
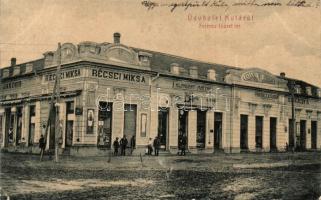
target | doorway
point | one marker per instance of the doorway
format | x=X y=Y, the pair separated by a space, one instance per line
x=201 y=129
x=163 y=127
x=244 y=132
x=258 y=132
x=314 y=134
x=19 y=126
x=217 y=130
x=302 y=137
x=130 y=115
x=52 y=128
x=32 y=126
x=7 y=125
x=69 y=133
x=182 y=125
x=291 y=133
x=105 y=115
x=273 y=125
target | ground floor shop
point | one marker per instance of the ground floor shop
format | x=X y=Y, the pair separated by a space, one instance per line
x=207 y=130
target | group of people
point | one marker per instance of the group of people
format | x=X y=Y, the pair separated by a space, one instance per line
x=122 y=144
x=153 y=143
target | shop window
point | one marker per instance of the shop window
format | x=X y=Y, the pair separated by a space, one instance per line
x=70 y=107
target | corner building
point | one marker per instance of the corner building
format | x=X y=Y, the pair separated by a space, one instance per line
x=109 y=90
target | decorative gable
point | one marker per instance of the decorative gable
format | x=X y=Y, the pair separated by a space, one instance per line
x=257 y=78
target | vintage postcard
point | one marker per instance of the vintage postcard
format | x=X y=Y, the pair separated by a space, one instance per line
x=160 y=99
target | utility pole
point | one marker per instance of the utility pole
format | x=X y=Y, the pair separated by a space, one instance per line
x=57 y=128
x=51 y=106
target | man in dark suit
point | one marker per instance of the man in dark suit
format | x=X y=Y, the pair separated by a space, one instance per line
x=123 y=145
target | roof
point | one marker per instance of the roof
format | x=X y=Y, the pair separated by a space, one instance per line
x=161 y=62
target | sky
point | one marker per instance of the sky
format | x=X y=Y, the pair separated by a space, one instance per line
x=277 y=39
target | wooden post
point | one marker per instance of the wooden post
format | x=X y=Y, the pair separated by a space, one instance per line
x=52 y=99
x=57 y=127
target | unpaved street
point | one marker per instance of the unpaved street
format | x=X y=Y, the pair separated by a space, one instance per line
x=219 y=176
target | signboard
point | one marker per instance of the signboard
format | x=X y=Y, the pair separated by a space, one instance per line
x=182 y=85
x=267 y=96
x=63 y=75
x=121 y=76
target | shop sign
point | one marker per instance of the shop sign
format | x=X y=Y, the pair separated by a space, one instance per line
x=12 y=85
x=188 y=86
x=63 y=75
x=267 y=96
x=111 y=75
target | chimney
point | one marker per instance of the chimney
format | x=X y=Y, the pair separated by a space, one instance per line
x=282 y=74
x=117 y=38
x=13 y=62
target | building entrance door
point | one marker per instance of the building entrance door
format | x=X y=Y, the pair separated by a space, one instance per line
x=183 y=125
x=19 y=126
x=69 y=133
x=130 y=115
x=302 y=137
x=52 y=128
x=217 y=130
x=314 y=134
x=273 y=124
x=201 y=128
x=7 y=125
x=105 y=115
x=258 y=131
x=244 y=132
x=163 y=127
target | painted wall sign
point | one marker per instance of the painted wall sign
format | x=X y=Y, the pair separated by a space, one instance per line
x=64 y=75
x=267 y=96
x=188 y=86
x=11 y=85
x=258 y=77
x=111 y=75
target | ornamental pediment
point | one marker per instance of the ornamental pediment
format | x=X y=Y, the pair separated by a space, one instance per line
x=255 y=77
x=104 y=52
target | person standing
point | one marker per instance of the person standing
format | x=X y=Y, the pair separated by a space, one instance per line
x=123 y=145
x=42 y=145
x=116 y=146
x=132 y=144
x=10 y=135
x=149 y=146
x=183 y=145
x=156 y=145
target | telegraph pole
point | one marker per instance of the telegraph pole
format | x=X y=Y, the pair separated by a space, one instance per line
x=51 y=106
x=57 y=105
